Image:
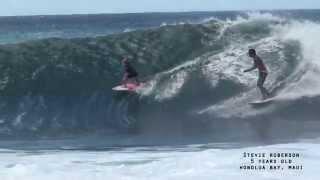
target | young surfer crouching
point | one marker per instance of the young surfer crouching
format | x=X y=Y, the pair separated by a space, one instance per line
x=130 y=74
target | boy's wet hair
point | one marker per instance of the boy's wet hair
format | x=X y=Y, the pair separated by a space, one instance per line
x=252 y=51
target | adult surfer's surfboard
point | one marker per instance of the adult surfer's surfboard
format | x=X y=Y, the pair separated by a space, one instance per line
x=128 y=87
x=266 y=101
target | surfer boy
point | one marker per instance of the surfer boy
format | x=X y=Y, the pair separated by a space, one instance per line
x=263 y=72
x=130 y=74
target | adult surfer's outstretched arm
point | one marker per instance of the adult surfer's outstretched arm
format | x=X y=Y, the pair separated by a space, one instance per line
x=252 y=68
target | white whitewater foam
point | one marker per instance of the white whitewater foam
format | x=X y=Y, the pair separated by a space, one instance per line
x=177 y=78
x=134 y=164
x=304 y=82
x=307 y=34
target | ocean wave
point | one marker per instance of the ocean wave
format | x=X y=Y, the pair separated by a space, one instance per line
x=194 y=78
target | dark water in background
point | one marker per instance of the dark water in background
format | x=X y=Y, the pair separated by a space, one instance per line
x=16 y=29
x=57 y=72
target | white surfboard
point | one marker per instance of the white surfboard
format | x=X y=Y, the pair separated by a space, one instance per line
x=269 y=100
x=128 y=87
x=120 y=88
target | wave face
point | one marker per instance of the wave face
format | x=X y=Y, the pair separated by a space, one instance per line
x=194 y=81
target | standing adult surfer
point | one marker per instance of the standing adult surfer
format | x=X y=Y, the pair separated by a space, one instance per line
x=263 y=72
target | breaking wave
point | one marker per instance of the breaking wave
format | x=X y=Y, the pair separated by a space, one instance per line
x=193 y=74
